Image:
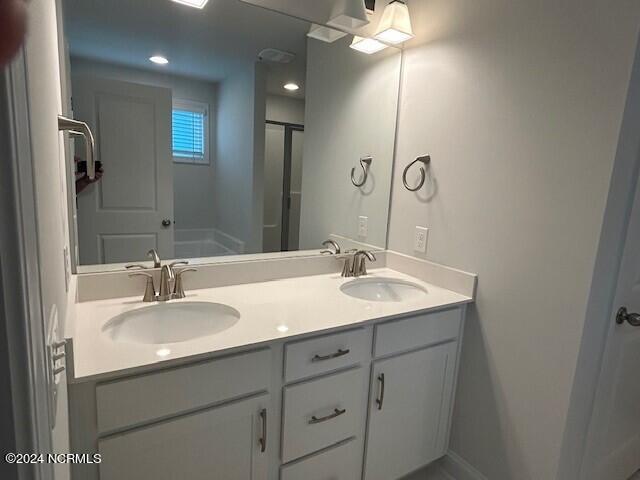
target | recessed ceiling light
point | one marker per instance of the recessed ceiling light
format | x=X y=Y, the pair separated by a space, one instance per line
x=292 y=87
x=367 y=45
x=193 y=3
x=158 y=60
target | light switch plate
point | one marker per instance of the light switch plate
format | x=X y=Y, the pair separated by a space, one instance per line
x=420 y=241
x=363 y=226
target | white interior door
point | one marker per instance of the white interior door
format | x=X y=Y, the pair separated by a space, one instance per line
x=613 y=447
x=121 y=217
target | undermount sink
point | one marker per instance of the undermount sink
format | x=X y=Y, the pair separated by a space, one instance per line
x=171 y=322
x=383 y=290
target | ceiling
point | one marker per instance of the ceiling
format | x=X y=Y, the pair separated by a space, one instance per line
x=208 y=44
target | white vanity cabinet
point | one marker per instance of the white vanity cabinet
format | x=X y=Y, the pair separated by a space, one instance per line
x=411 y=393
x=371 y=402
x=227 y=442
x=409 y=411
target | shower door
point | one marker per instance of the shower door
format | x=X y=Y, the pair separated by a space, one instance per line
x=283 y=181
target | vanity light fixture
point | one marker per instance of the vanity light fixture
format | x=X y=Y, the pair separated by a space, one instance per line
x=193 y=3
x=325 y=34
x=348 y=14
x=367 y=45
x=395 y=26
x=158 y=60
x=292 y=87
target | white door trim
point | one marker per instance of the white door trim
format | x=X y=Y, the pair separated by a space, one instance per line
x=20 y=275
x=600 y=305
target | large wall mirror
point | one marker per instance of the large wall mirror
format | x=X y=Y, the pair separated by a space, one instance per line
x=223 y=131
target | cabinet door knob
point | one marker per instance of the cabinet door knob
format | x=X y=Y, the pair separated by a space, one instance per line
x=380 y=399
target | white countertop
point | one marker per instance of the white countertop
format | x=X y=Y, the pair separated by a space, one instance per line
x=269 y=311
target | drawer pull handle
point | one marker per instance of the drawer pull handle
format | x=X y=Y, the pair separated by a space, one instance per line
x=336 y=413
x=380 y=400
x=339 y=353
x=263 y=440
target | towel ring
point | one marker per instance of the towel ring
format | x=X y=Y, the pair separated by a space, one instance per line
x=425 y=159
x=365 y=163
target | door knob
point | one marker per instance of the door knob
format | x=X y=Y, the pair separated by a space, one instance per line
x=624 y=316
x=166 y=222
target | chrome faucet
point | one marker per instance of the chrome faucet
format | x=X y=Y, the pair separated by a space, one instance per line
x=355 y=265
x=168 y=281
x=171 y=285
x=331 y=243
x=153 y=255
x=167 y=277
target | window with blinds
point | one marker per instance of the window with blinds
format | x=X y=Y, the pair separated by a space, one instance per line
x=189 y=125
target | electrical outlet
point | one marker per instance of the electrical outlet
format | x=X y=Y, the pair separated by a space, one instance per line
x=420 y=241
x=363 y=226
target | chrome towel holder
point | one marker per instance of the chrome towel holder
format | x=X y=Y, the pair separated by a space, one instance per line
x=425 y=159
x=365 y=163
x=77 y=128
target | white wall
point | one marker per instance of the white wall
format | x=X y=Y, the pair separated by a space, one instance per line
x=45 y=102
x=192 y=184
x=239 y=164
x=520 y=106
x=281 y=108
x=351 y=104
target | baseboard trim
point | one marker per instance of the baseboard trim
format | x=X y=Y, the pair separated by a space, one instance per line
x=457 y=467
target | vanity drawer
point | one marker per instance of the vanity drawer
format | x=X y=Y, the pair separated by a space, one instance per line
x=136 y=400
x=326 y=353
x=323 y=412
x=414 y=332
x=343 y=462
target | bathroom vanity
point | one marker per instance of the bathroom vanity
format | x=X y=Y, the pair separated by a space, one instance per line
x=347 y=379
x=258 y=145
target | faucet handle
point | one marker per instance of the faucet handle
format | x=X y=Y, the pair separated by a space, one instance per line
x=150 y=289
x=135 y=265
x=179 y=262
x=178 y=288
x=331 y=243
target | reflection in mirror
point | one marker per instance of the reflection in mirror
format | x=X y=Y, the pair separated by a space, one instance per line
x=224 y=131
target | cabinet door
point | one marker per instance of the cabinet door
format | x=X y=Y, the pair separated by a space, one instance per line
x=410 y=404
x=223 y=442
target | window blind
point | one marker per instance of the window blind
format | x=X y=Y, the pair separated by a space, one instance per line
x=188 y=135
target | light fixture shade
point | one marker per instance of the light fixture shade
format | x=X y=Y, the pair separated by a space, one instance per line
x=326 y=34
x=395 y=25
x=348 y=14
x=367 y=45
x=193 y=3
